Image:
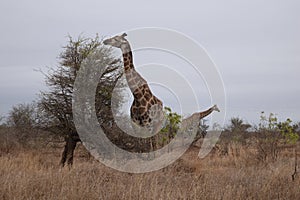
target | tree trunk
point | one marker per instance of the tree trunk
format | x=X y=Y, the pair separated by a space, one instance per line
x=68 y=153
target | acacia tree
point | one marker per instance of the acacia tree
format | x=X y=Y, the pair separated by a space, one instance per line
x=55 y=104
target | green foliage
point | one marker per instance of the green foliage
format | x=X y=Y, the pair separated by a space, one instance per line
x=173 y=120
x=267 y=123
x=285 y=128
x=172 y=124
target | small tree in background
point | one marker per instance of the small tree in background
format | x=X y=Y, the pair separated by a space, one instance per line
x=288 y=131
x=23 y=116
x=238 y=125
x=272 y=134
x=285 y=130
x=236 y=130
x=22 y=124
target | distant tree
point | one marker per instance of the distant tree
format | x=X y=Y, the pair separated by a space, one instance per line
x=55 y=104
x=23 y=116
x=288 y=131
x=238 y=125
x=272 y=134
x=267 y=123
x=22 y=121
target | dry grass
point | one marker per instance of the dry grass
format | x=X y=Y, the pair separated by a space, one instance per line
x=35 y=174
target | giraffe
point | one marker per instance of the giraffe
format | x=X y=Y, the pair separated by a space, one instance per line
x=209 y=111
x=193 y=122
x=146 y=109
x=196 y=117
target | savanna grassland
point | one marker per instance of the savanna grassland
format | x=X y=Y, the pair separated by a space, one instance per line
x=32 y=171
x=249 y=162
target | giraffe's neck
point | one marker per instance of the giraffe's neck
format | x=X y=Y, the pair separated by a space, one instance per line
x=206 y=113
x=128 y=62
x=134 y=80
x=127 y=58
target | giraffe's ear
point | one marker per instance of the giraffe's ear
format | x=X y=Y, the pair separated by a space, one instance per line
x=124 y=34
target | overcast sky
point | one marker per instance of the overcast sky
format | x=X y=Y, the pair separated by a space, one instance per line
x=255 y=44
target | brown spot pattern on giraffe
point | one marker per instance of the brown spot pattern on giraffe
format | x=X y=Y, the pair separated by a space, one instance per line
x=143 y=97
x=143 y=102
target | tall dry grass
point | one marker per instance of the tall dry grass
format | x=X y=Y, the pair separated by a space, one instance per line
x=35 y=174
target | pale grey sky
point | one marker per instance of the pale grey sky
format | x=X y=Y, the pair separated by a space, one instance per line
x=255 y=44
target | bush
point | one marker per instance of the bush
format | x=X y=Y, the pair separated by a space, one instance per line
x=272 y=135
x=23 y=116
x=171 y=126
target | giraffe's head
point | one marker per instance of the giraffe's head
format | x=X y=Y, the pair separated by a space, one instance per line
x=215 y=108
x=118 y=41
